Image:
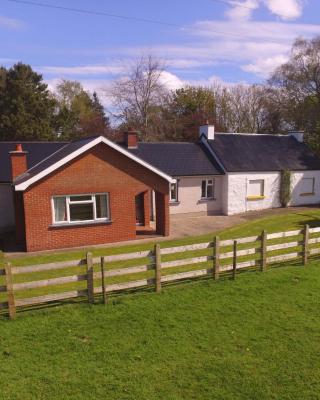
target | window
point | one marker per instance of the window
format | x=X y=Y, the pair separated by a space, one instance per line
x=307 y=186
x=84 y=208
x=174 y=192
x=207 y=189
x=256 y=189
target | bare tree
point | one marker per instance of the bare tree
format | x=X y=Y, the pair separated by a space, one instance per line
x=138 y=95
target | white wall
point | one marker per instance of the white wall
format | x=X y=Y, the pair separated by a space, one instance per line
x=297 y=189
x=189 y=195
x=7 y=219
x=237 y=202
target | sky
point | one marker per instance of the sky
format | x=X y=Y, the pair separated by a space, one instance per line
x=201 y=41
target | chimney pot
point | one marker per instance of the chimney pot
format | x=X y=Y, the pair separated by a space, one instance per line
x=19 y=147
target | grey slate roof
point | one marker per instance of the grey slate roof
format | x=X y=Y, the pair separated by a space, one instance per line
x=37 y=151
x=237 y=153
x=62 y=152
x=250 y=153
x=178 y=159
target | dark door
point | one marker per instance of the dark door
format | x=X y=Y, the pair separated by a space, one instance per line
x=139 y=209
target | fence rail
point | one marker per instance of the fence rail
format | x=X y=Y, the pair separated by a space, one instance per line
x=222 y=256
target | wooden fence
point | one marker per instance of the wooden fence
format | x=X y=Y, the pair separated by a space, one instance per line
x=220 y=257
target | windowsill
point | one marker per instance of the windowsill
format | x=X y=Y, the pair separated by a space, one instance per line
x=307 y=194
x=205 y=200
x=253 y=198
x=79 y=224
x=174 y=202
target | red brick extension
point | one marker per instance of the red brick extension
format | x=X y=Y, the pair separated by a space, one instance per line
x=102 y=169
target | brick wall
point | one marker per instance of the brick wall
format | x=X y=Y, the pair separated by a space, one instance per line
x=101 y=170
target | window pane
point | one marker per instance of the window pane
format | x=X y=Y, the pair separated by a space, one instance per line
x=173 y=193
x=210 y=191
x=81 y=212
x=80 y=198
x=203 y=189
x=101 y=206
x=256 y=187
x=307 y=185
x=60 y=209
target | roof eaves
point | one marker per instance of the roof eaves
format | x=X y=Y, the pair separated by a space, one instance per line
x=95 y=140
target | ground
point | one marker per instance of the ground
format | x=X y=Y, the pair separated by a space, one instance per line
x=254 y=338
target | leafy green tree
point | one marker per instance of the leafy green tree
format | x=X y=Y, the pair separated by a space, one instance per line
x=299 y=80
x=26 y=105
x=78 y=114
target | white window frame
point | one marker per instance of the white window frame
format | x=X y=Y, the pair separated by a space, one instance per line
x=262 y=192
x=176 y=200
x=206 y=190
x=313 y=186
x=92 y=201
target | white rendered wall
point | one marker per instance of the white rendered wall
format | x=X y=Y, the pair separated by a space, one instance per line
x=189 y=195
x=237 y=201
x=297 y=190
x=7 y=219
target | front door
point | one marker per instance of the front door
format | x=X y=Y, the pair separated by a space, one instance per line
x=140 y=209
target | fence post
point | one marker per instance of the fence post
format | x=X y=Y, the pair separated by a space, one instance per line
x=216 y=255
x=264 y=236
x=10 y=294
x=234 y=269
x=157 y=253
x=103 y=282
x=90 y=283
x=305 y=254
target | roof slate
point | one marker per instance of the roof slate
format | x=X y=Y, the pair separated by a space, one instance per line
x=178 y=159
x=250 y=153
x=37 y=151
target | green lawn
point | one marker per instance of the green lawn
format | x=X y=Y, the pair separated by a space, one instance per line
x=279 y=222
x=254 y=338
x=287 y=220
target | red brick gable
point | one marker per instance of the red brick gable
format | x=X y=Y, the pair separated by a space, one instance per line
x=101 y=169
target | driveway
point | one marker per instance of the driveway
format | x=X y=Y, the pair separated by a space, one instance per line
x=183 y=225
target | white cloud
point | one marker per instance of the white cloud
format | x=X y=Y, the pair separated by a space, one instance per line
x=171 y=81
x=286 y=9
x=265 y=66
x=242 y=10
x=11 y=23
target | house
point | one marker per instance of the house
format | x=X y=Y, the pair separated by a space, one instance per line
x=94 y=191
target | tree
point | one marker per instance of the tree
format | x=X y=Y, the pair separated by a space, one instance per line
x=138 y=97
x=299 y=81
x=190 y=107
x=26 y=105
x=78 y=114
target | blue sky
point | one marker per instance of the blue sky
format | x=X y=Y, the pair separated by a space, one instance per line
x=204 y=41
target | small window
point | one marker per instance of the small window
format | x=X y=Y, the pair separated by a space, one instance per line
x=307 y=186
x=84 y=208
x=174 y=192
x=256 y=188
x=207 y=189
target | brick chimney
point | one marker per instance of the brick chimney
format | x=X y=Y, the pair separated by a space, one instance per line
x=18 y=161
x=131 y=139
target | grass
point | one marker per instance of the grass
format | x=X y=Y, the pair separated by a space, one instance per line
x=287 y=220
x=254 y=338
x=279 y=222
